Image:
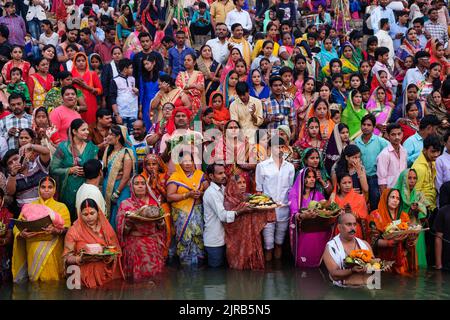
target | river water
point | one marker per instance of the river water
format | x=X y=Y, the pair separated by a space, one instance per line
x=279 y=281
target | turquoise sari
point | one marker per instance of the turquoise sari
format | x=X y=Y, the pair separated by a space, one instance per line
x=63 y=159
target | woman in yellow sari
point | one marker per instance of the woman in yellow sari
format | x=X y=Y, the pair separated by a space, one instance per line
x=38 y=256
x=349 y=65
x=185 y=188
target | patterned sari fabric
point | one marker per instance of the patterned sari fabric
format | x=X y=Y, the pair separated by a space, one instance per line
x=132 y=45
x=39 y=258
x=144 y=247
x=68 y=184
x=409 y=197
x=188 y=217
x=404 y=256
x=114 y=164
x=38 y=87
x=243 y=236
x=349 y=66
x=195 y=96
x=5 y=255
x=307 y=245
x=94 y=274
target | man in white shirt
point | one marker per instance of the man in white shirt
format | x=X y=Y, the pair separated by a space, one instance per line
x=274 y=177
x=215 y=215
x=89 y=190
x=417 y=74
x=219 y=45
x=385 y=40
x=379 y=13
x=238 y=15
x=398 y=30
x=48 y=36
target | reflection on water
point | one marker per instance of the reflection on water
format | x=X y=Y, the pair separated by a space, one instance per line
x=280 y=281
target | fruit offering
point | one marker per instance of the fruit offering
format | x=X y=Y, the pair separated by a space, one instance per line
x=324 y=209
x=399 y=228
x=261 y=201
x=364 y=258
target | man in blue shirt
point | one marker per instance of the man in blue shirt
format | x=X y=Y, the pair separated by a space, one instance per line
x=379 y=13
x=371 y=146
x=398 y=30
x=201 y=22
x=414 y=144
x=177 y=55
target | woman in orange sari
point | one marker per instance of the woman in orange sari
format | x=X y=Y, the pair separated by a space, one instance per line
x=347 y=198
x=221 y=115
x=89 y=83
x=156 y=174
x=92 y=227
x=402 y=249
x=321 y=110
x=243 y=236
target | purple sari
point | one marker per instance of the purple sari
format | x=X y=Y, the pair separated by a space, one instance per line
x=307 y=247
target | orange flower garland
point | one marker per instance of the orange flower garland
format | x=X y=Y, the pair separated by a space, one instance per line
x=364 y=255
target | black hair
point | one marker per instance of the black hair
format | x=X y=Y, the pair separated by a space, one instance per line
x=242 y=88
x=319 y=101
x=144 y=35
x=70 y=87
x=151 y=76
x=273 y=79
x=86 y=31
x=102 y=112
x=72 y=46
x=15 y=96
x=370 y=117
x=364 y=88
x=341 y=176
x=92 y=168
x=207 y=111
x=124 y=63
x=166 y=78
x=10 y=153
x=4 y=31
x=334 y=112
x=444 y=194
x=393 y=126
x=15 y=69
x=88 y=203
x=202 y=5
x=380 y=51
x=432 y=141
x=284 y=70
x=30 y=133
x=432 y=9
x=446 y=136
x=383 y=22
x=342 y=164
x=429 y=120
x=211 y=169
x=167 y=39
x=235 y=25
x=46 y=22
x=337 y=76
x=75 y=125
x=409 y=106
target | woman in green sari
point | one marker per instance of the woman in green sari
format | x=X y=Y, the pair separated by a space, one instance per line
x=415 y=204
x=67 y=163
x=353 y=114
x=349 y=65
x=119 y=161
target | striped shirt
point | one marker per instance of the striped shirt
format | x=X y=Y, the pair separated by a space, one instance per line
x=16 y=27
x=11 y=121
x=437 y=31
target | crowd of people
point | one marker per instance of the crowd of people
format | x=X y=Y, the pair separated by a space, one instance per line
x=110 y=106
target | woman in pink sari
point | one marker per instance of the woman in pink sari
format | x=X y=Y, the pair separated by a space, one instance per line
x=132 y=44
x=308 y=239
x=235 y=55
x=380 y=107
x=143 y=243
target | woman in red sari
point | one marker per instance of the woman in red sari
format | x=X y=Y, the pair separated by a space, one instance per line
x=89 y=83
x=40 y=83
x=243 y=236
x=92 y=227
x=143 y=243
x=402 y=249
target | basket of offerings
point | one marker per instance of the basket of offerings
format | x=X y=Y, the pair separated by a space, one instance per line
x=364 y=258
x=147 y=214
x=399 y=228
x=262 y=202
x=98 y=251
x=324 y=209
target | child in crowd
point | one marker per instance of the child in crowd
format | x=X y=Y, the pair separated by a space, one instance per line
x=17 y=85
